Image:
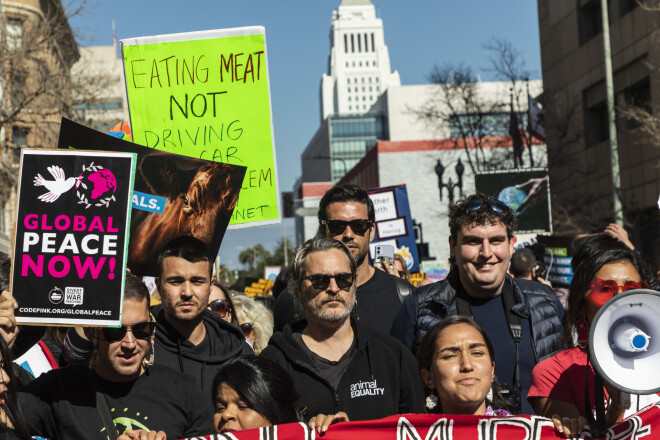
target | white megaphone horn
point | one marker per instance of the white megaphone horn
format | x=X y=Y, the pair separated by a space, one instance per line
x=624 y=341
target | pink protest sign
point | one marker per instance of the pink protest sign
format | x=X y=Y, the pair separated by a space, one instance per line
x=69 y=256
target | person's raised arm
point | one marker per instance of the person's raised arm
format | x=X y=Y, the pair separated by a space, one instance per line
x=618 y=232
x=8 y=327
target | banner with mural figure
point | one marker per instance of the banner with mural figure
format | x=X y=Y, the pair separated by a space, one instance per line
x=526 y=192
x=643 y=425
x=69 y=256
x=206 y=95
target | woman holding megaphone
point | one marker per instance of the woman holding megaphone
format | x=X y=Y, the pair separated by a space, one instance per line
x=565 y=387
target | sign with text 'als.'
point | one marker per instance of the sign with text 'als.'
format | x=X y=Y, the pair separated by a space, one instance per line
x=71 y=236
x=206 y=95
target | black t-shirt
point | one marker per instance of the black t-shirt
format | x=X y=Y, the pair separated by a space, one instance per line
x=378 y=301
x=61 y=404
x=491 y=315
x=332 y=371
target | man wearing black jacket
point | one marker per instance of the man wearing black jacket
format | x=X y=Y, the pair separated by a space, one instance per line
x=339 y=364
x=522 y=318
x=190 y=338
x=119 y=391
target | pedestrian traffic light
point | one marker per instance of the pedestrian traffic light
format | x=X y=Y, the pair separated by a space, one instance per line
x=287 y=204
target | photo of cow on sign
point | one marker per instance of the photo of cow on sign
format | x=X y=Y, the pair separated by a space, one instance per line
x=71 y=234
x=173 y=195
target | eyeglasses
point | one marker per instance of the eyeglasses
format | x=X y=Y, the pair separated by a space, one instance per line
x=321 y=281
x=247 y=328
x=337 y=227
x=495 y=205
x=141 y=330
x=603 y=290
x=220 y=306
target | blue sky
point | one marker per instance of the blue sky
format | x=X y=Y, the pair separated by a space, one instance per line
x=419 y=35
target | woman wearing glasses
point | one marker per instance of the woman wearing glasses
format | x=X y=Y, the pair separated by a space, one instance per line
x=255 y=320
x=220 y=302
x=558 y=383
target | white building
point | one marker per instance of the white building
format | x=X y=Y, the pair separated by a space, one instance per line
x=99 y=98
x=399 y=103
x=408 y=153
x=359 y=61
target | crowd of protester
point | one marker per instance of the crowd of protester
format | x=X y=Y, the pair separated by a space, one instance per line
x=344 y=340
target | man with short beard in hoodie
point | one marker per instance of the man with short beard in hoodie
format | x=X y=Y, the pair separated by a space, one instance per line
x=338 y=363
x=189 y=337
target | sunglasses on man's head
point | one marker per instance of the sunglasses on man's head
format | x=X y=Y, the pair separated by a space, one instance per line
x=321 y=281
x=603 y=290
x=141 y=330
x=495 y=205
x=337 y=227
x=220 y=306
x=247 y=328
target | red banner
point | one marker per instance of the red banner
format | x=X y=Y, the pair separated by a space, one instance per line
x=644 y=424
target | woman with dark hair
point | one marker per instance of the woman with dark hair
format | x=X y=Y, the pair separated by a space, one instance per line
x=457 y=363
x=558 y=383
x=253 y=392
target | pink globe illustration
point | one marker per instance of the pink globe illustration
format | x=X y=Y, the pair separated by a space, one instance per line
x=104 y=182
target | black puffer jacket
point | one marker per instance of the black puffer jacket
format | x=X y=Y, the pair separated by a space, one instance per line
x=429 y=304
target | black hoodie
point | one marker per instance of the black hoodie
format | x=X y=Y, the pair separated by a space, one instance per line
x=222 y=342
x=382 y=377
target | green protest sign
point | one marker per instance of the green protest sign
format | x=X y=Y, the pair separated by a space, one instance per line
x=206 y=95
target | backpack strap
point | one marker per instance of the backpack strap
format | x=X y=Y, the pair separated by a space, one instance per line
x=403 y=288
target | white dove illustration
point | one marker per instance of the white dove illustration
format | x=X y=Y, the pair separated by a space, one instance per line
x=55 y=187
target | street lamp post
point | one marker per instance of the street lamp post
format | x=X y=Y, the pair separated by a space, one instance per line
x=611 y=116
x=459 y=169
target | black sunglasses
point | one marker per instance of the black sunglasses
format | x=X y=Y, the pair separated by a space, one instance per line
x=495 y=205
x=220 y=306
x=321 y=281
x=337 y=227
x=247 y=328
x=141 y=330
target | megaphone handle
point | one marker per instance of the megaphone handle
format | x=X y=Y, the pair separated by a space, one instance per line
x=624 y=399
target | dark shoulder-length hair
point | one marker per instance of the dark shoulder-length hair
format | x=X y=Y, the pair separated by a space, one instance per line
x=427 y=352
x=11 y=408
x=263 y=385
x=584 y=273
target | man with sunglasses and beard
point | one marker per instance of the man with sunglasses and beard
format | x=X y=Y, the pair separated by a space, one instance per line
x=346 y=213
x=118 y=391
x=522 y=318
x=337 y=362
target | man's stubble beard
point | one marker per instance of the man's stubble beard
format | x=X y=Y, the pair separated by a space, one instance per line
x=360 y=258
